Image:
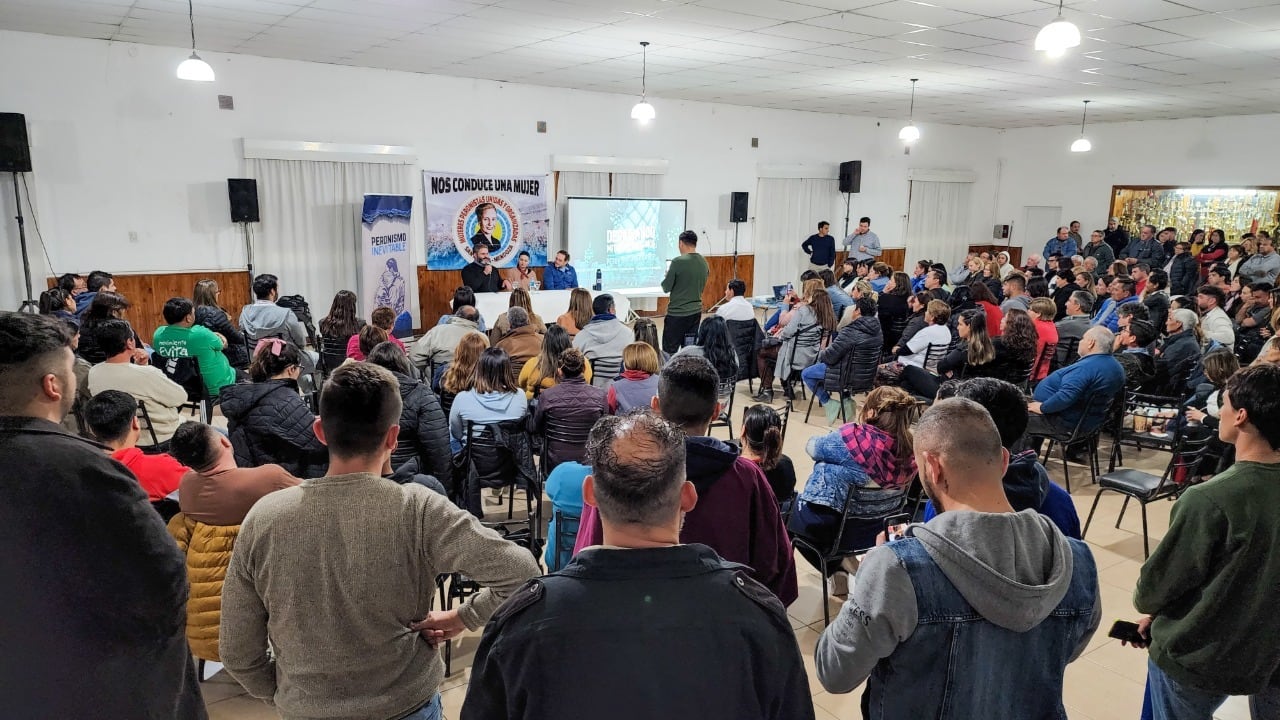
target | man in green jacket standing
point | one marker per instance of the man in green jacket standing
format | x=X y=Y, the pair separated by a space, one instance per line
x=1209 y=589
x=686 y=277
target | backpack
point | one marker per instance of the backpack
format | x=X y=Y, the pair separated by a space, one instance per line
x=302 y=311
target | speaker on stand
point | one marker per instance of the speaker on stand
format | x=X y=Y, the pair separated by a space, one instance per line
x=242 y=193
x=15 y=157
x=737 y=215
x=850 y=182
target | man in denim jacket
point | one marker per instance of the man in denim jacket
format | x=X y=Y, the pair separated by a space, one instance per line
x=974 y=614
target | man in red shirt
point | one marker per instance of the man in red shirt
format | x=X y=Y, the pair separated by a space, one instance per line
x=112 y=417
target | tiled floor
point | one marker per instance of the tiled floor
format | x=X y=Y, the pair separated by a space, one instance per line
x=1106 y=683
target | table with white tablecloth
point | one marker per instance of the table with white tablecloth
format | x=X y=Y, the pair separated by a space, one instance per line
x=548 y=304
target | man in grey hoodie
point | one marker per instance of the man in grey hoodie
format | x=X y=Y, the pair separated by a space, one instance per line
x=603 y=339
x=266 y=319
x=974 y=614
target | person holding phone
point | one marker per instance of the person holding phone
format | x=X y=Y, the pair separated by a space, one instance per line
x=1210 y=626
x=975 y=614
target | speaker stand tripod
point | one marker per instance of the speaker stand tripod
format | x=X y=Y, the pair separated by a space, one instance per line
x=28 y=305
x=735 y=250
x=848 y=199
x=248 y=253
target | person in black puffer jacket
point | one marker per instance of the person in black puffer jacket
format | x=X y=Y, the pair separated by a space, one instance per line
x=424 y=428
x=212 y=316
x=268 y=420
x=571 y=402
x=824 y=377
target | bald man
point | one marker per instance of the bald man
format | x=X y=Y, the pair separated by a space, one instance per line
x=1083 y=389
x=1006 y=591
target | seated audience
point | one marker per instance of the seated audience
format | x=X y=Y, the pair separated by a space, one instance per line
x=1253 y=321
x=986 y=302
x=212 y=316
x=182 y=338
x=579 y=312
x=1026 y=483
x=916 y=305
x=761 y=441
x=161 y=396
x=72 y=284
x=732 y=635
x=638 y=384
x=1215 y=324
x=539 y=373
x=112 y=417
x=343 y=321
x=571 y=401
x=735 y=306
x=58 y=303
x=560 y=275
x=1080 y=391
x=106 y=306
x=1155 y=298
x=892 y=307
x=564 y=490
x=460 y=375
x=424 y=428
x=359 y=550
x=646 y=331
x=1065 y=286
x=1042 y=312
x=1178 y=357
x=94 y=591
x=604 y=337
x=523 y=341
x=265 y=319
x=713 y=343
x=978 y=354
x=913 y=349
x=787 y=354
x=383 y=318
x=80 y=368
x=215 y=491
x=519 y=298
x=1209 y=632
x=946 y=584
x=99 y=281
x=493 y=397
x=268 y=420
x=1120 y=292
x=737 y=514
x=520 y=276
x=435 y=348
x=462 y=296
x=1074 y=324
x=878 y=276
x=825 y=376
x=1134 y=354
x=869 y=457
x=839 y=298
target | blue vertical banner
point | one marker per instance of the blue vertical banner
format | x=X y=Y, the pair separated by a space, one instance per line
x=384 y=253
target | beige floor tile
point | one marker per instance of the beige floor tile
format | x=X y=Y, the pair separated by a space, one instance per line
x=1100 y=693
x=847 y=705
x=1235 y=708
x=220 y=687
x=242 y=708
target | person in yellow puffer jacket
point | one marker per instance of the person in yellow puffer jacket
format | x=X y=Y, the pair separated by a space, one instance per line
x=208 y=551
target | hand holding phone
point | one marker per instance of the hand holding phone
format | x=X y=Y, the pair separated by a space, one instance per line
x=1130 y=633
x=896 y=525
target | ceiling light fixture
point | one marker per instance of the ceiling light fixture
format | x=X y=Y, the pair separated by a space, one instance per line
x=1082 y=143
x=193 y=68
x=643 y=111
x=1057 y=36
x=911 y=133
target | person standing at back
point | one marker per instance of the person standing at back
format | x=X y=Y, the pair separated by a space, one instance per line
x=326 y=605
x=821 y=248
x=686 y=277
x=976 y=613
x=94 y=589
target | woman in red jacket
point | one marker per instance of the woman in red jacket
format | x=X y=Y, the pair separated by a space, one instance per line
x=983 y=298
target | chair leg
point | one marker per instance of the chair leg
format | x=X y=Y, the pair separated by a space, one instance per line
x=1092 y=510
x=1066 y=471
x=1146 y=542
x=200 y=670
x=1123 y=507
x=511 y=502
x=1093 y=460
x=809 y=409
x=843 y=420
x=826 y=609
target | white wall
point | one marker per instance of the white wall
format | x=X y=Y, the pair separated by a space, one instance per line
x=1039 y=169
x=121 y=146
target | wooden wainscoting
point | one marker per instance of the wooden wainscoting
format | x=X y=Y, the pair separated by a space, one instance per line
x=148 y=292
x=1015 y=252
x=895 y=258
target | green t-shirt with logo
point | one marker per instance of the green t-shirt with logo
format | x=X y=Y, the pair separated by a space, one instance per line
x=199 y=342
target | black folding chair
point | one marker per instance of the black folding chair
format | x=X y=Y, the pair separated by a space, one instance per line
x=724 y=395
x=604 y=370
x=333 y=352
x=1077 y=435
x=154 y=448
x=570 y=431
x=857 y=375
x=809 y=336
x=185 y=371
x=1066 y=353
x=746 y=337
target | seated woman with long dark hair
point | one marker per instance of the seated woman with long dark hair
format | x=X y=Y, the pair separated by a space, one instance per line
x=212 y=315
x=762 y=444
x=714 y=344
x=105 y=306
x=268 y=420
x=495 y=396
x=974 y=351
x=871 y=457
x=539 y=373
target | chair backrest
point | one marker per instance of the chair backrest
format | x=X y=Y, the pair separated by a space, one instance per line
x=1045 y=360
x=858 y=374
x=1067 y=352
x=934 y=354
x=806 y=338
x=333 y=352
x=570 y=431
x=898 y=502
x=184 y=371
x=605 y=370
x=489 y=449
x=565 y=537
x=147 y=427
x=746 y=336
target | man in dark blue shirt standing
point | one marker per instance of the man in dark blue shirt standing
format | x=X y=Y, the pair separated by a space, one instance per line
x=820 y=248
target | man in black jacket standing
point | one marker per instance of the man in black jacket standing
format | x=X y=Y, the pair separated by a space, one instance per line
x=480 y=275
x=541 y=655
x=95 y=590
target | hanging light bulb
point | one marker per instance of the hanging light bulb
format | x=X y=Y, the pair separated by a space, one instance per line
x=1082 y=143
x=643 y=111
x=911 y=133
x=1054 y=38
x=193 y=68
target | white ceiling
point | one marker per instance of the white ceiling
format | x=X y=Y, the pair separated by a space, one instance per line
x=1140 y=59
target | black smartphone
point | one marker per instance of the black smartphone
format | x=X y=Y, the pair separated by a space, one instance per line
x=895 y=525
x=1127 y=631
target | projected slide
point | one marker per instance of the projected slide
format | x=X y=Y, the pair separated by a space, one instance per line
x=629 y=240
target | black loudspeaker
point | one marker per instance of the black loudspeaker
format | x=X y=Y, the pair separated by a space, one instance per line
x=851 y=176
x=738 y=207
x=243 y=194
x=15 y=150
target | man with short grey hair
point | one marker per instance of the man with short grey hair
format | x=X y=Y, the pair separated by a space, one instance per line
x=649 y=594
x=522 y=341
x=1076 y=322
x=1081 y=391
x=436 y=347
x=978 y=580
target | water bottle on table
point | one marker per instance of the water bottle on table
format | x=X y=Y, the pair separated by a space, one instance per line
x=599 y=281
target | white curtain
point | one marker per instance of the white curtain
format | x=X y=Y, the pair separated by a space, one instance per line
x=636 y=185
x=788 y=210
x=570 y=183
x=938 y=221
x=310 y=230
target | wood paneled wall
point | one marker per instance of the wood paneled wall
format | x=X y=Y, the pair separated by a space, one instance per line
x=1015 y=252
x=148 y=292
x=895 y=258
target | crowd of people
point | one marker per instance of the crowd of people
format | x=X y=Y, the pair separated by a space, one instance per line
x=304 y=542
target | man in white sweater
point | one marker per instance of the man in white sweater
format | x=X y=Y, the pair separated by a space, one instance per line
x=1214 y=321
x=160 y=395
x=338 y=574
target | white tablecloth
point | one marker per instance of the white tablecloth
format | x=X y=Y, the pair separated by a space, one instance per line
x=548 y=304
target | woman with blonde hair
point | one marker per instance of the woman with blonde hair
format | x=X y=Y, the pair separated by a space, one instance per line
x=459 y=375
x=539 y=373
x=1042 y=313
x=872 y=458
x=810 y=315
x=579 y=313
x=211 y=314
x=519 y=298
x=638 y=384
